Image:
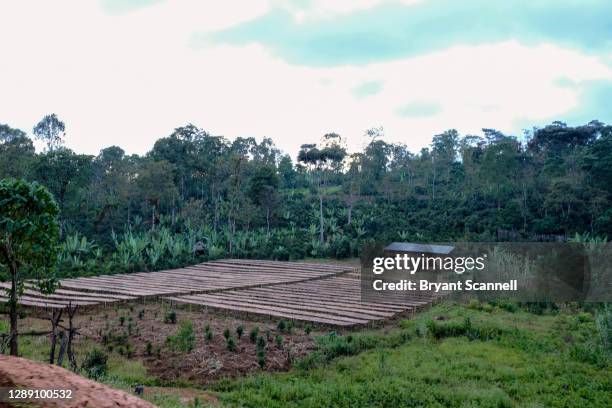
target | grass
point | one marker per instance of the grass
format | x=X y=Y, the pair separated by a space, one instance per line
x=501 y=359
x=449 y=356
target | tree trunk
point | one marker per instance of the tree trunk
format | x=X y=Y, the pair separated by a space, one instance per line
x=321 y=237
x=56 y=315
x=14 y=333
x=71 y=332
x=13 y=312
x=62 y=351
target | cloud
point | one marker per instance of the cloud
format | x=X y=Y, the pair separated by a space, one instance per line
x=368 y=88
x=116 y=85
x=419 y=108
x=124 y=6
x=391 y=30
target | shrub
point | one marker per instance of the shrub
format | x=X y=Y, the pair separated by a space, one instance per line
x=170 y=317
x=141 y=314
x=121 y=320
x=308 y=329
x=208 y=335
x=279 y=341
x=227 y=334
x=239 y=331
x=253 y=334
x=184 y=340
x=261 y=343
x=149 y=348
x=281 y=326
x=95 y=364
x=261 y=358
x=231 y=344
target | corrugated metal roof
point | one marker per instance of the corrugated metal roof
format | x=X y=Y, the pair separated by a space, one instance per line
x=424 y=248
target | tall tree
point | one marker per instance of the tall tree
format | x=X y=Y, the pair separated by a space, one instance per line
x=263 y=190
x=51 y=131
x=29 y=233
x=17 y=153
x=320 y=161
x=155 y=182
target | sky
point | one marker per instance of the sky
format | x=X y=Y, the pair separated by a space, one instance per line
x=127 y=72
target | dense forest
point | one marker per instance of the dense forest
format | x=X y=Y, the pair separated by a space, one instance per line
x=196 y=196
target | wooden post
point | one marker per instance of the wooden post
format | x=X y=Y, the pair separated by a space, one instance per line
x=56 y=315
x=71 y=333
x=62 y=350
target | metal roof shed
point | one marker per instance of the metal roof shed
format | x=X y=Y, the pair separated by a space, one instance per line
x=409 y=247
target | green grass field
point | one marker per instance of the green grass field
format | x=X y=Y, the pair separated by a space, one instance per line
x=452 y=355
x=505 y=360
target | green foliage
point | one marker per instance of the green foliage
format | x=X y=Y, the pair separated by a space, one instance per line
x=170 y=317
x=95 y=364
x=253 y=334
x=239 y=331
x=184 y=340
x=227 y=334
x=279 y=341
x=506 y=360
x=29 y=231
x=231 y=343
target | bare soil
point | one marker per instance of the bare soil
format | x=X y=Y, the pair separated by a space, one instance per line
x=209 y=361
x=23 y=373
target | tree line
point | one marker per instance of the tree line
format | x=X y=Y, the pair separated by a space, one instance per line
x=246 y=198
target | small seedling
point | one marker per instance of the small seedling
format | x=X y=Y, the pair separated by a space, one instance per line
x=231 y=344
x=253 y=334
x=170 y=317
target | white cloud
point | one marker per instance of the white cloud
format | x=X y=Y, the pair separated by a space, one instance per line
x=130 y=79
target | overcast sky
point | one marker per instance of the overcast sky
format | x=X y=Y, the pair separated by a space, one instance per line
x=127 y=72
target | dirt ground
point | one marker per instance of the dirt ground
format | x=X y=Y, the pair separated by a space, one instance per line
x=131 y=326
x=23 y=373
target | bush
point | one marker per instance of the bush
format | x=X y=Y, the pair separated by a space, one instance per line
x=279 y=341
x=184 y=340
x=239 y=331
x=281 y=326
x=308 y=329
x=95 y=364
x=231 y=344
x=149 y=348
x=261 y=343
x=261 y=358
x=227 y=334
x=141 y=314
x=170 y=317
x=253 y=334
